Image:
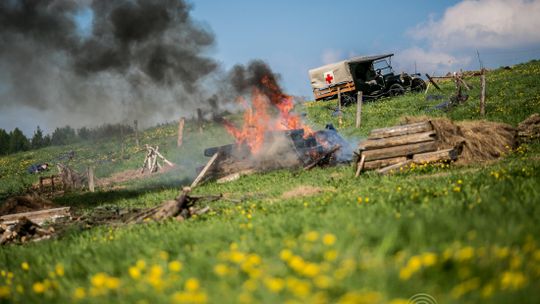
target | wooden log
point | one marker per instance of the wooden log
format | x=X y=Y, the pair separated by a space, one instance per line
x=91 y=179
x=405 y=150
x=433 y=82
x=360 y=165
x=483 y=94
x=418 y=127
x=359 y=109
x=394 y=167
x=37 y=217
x=340 y=114
x=371 y=144
x=202 y=174
x=437 y=156
x=376 y=164
x=180 y=138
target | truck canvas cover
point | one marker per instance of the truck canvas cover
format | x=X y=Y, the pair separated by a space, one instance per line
x=339 y=72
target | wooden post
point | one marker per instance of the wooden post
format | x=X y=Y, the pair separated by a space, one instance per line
x=483 y=93
x=91 y=179
x=180 y=132
x=359 y=109
x=136 y=125
x=340 y=114
x=122 y=141
x=200 y=119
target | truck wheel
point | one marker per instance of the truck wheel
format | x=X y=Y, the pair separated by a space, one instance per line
x=348 y=99
x=418 y=85
x=396 y=89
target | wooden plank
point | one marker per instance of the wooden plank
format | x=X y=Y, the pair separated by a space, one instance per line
x=180 y=138
x=91 y=179
x=360 y=165
x=405 y=150
x=437 y=156
x=37 y=217
x=376 y=164
x=418 y=127
x=394 y=167
x=201 y=175
x=359 y=109
x=483 y=93
x=371 y=144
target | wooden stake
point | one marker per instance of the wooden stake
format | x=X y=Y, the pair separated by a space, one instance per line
x=483 y=93
x=91 y=179
x=200 y=120
x=180 y=132
x=340 y=118
x=360 y=165
x=136 y=126
x=209 y=164
x=359 y=109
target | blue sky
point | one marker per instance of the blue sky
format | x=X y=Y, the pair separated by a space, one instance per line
x=295 y=36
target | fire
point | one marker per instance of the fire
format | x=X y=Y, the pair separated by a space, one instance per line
x=258 y=120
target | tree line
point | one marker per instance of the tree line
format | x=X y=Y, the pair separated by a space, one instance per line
x=15 y=141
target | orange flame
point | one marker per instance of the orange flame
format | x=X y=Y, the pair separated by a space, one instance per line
x=258 y=122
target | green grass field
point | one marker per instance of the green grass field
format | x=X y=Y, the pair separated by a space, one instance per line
x=461 y=234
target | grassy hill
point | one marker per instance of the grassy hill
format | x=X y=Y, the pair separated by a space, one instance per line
x=462 y=234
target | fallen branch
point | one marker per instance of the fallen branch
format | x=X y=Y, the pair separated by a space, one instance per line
x=322 y=157
x=202 y=174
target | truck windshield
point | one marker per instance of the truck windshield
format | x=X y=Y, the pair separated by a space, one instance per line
x=384 y=66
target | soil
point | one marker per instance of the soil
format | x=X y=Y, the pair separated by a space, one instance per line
x=25 y=203
x=301 y=191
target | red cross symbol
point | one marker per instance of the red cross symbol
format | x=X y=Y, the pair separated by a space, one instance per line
x=329 y=78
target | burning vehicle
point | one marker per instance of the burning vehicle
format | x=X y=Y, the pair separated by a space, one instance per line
x=271 y=136
x=373 y=75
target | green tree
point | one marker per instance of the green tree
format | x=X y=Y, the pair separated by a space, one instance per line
x=17 y=141
x=4 y=142
x=37 y=140
x=63 y=136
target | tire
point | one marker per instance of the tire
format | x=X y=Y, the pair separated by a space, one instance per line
x=348 y=99
x=418 y=85
x=396 y=89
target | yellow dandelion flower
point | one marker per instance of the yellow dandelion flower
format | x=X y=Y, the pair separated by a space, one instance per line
x=175 y=266
x=322 y=281
x=285 y=254
x=39 y=287
x=25 y=266
x=330 y=255
x=465 y=253
x=134 y=272
x=274 y=284
x=98 y=280
x=112 y=283
x=311 y=270
x=429 y=259
x=192 y=284
x=221 y=269
x=329 y=239
x=312 y=236
x=59 y=270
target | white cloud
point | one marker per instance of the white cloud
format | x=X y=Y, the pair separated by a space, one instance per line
x=429 y=61
x=479 y=24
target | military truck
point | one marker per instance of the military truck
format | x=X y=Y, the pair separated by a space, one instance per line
x=373 y=75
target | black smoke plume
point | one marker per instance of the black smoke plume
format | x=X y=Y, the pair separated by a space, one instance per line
x=140 y=56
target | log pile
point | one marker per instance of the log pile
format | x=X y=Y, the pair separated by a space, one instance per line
x=392 y=148
x=151 y=160
x=529 y=129
x=22 y=231
x=181 y=208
